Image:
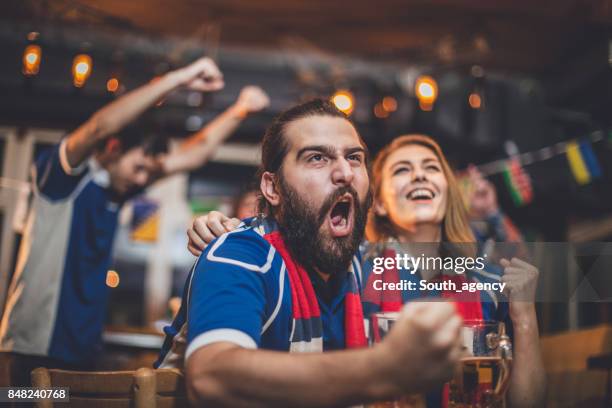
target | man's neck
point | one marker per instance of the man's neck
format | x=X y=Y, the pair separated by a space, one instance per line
x=324 y=276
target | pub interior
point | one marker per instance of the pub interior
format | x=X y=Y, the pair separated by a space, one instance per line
x=517 y=94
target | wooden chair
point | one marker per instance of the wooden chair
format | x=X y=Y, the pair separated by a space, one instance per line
x=145 y=387
x=565 y=355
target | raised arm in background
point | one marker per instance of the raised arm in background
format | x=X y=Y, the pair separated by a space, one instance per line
x=197 y=149
x=201 y=75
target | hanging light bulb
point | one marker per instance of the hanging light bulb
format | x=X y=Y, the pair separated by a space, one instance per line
x=426 y=90
x=475 y=100
x=81 y=69
x=344 y=101
x=31 y=60
x=380 y=112
x=389 y=104
x=112 y=85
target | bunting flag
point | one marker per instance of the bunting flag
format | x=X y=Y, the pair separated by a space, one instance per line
x=590 y=159
x=518 y=182
x=577 y=166
x=580 y=155
x=582 y=161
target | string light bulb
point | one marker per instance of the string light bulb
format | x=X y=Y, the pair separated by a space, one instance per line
x=112 y=85
x=31 y=59
x=344 y=101
x=380 y=112
x=81 y=69
x=426 y=90
x=389 y=104
x=475 y=100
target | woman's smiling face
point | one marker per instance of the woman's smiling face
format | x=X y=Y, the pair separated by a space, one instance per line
x=414 y=188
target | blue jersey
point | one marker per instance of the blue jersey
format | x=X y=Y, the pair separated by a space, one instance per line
x=238 y=291
x=57 y=300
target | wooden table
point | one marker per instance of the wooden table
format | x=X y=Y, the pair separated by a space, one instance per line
x=129 y=348
x=133 y=340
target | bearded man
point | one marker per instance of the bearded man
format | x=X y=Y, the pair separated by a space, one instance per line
x=289 y=282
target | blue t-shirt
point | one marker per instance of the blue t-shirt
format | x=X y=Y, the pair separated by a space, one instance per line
x=58 y=297
x=238 y=291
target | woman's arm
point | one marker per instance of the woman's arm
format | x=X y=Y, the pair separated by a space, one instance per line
x=528 y=378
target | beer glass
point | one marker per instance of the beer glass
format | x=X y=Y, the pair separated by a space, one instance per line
x=482 y=378
x=380 y=324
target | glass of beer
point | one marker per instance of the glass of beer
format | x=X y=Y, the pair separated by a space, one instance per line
x=380 y=324
x=482 y=378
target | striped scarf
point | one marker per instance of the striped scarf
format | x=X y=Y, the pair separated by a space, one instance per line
x=307 y=327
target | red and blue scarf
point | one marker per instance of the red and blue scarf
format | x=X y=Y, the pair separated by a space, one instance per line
x=307 y=327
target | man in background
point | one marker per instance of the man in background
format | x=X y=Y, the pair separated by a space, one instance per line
x=57 y=299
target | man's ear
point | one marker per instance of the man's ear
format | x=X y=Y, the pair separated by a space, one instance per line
x=379 y=208
x=268 y=188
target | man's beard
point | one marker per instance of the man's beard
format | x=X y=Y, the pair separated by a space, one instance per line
x=300 y=226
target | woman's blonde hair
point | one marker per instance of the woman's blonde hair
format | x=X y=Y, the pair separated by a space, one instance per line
x=455 y=225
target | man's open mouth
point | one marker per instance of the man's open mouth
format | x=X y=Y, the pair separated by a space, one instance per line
x=421 y=194
x=341 y=216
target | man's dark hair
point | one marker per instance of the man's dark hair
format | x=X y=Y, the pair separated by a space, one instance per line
x=142 y=135
x=274 y=146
